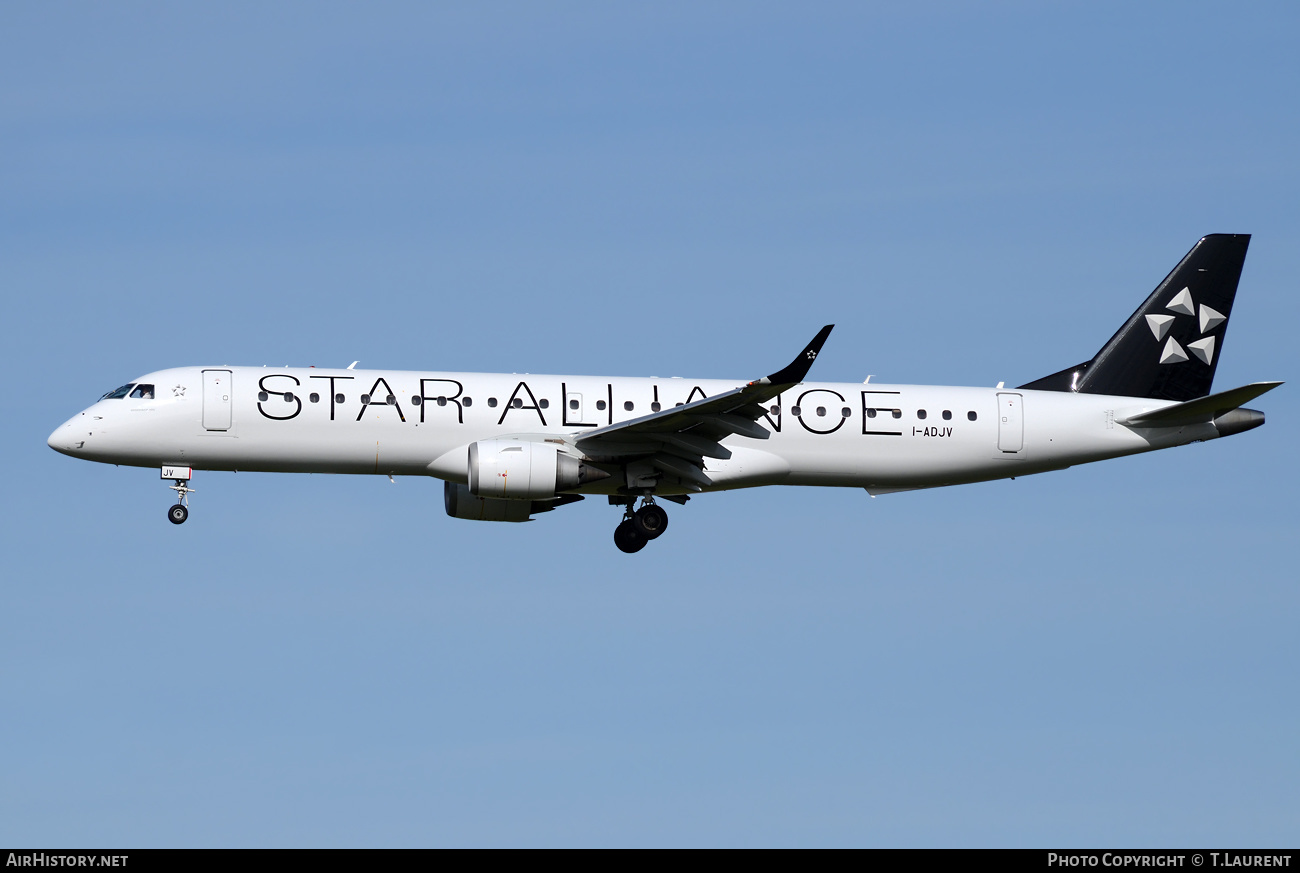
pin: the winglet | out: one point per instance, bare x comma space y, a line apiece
800, 366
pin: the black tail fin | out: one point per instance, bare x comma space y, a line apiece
1170, 348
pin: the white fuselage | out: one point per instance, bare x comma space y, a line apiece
879, 437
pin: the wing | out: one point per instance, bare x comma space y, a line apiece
675, 442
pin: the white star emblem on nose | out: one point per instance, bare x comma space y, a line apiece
178, 391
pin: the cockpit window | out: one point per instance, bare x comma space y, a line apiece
142, 392
119, 393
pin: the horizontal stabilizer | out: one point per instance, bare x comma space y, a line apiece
1200, 410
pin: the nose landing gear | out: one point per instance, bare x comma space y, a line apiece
177, 513
639, 527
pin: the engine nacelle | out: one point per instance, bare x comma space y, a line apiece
523, 470
462, 504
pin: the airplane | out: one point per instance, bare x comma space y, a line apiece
509, 447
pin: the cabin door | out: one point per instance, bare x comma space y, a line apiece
1011, 424
216, 399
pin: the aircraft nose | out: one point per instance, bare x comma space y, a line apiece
58, 438
63, 439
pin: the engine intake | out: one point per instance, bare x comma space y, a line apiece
521, 470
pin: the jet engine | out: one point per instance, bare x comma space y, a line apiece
462, 504
522, 470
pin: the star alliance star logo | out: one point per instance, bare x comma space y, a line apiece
178, 391
1203, 348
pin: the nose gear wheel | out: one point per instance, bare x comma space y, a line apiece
180, 511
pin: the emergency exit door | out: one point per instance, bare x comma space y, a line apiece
1011, 424
216, 399
575, 410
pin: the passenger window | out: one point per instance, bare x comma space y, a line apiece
339, 398
518, 403
920, 413
467, 401
655, 407
365, 399
119, 393
897, 413
314, 397
573, 404
845, 412
263, 396
600, 404
492, 401
392, 401
442, 401
544, 403
821, 411
871, 413
142, 392
774, 410
947, 415
288, 397
627, 404
416, 399
971, 415
795, 410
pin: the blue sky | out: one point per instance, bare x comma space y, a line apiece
1100, 656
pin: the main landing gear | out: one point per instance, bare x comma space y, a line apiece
639, 527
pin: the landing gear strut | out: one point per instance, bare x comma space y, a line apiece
177, 513
639, 527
